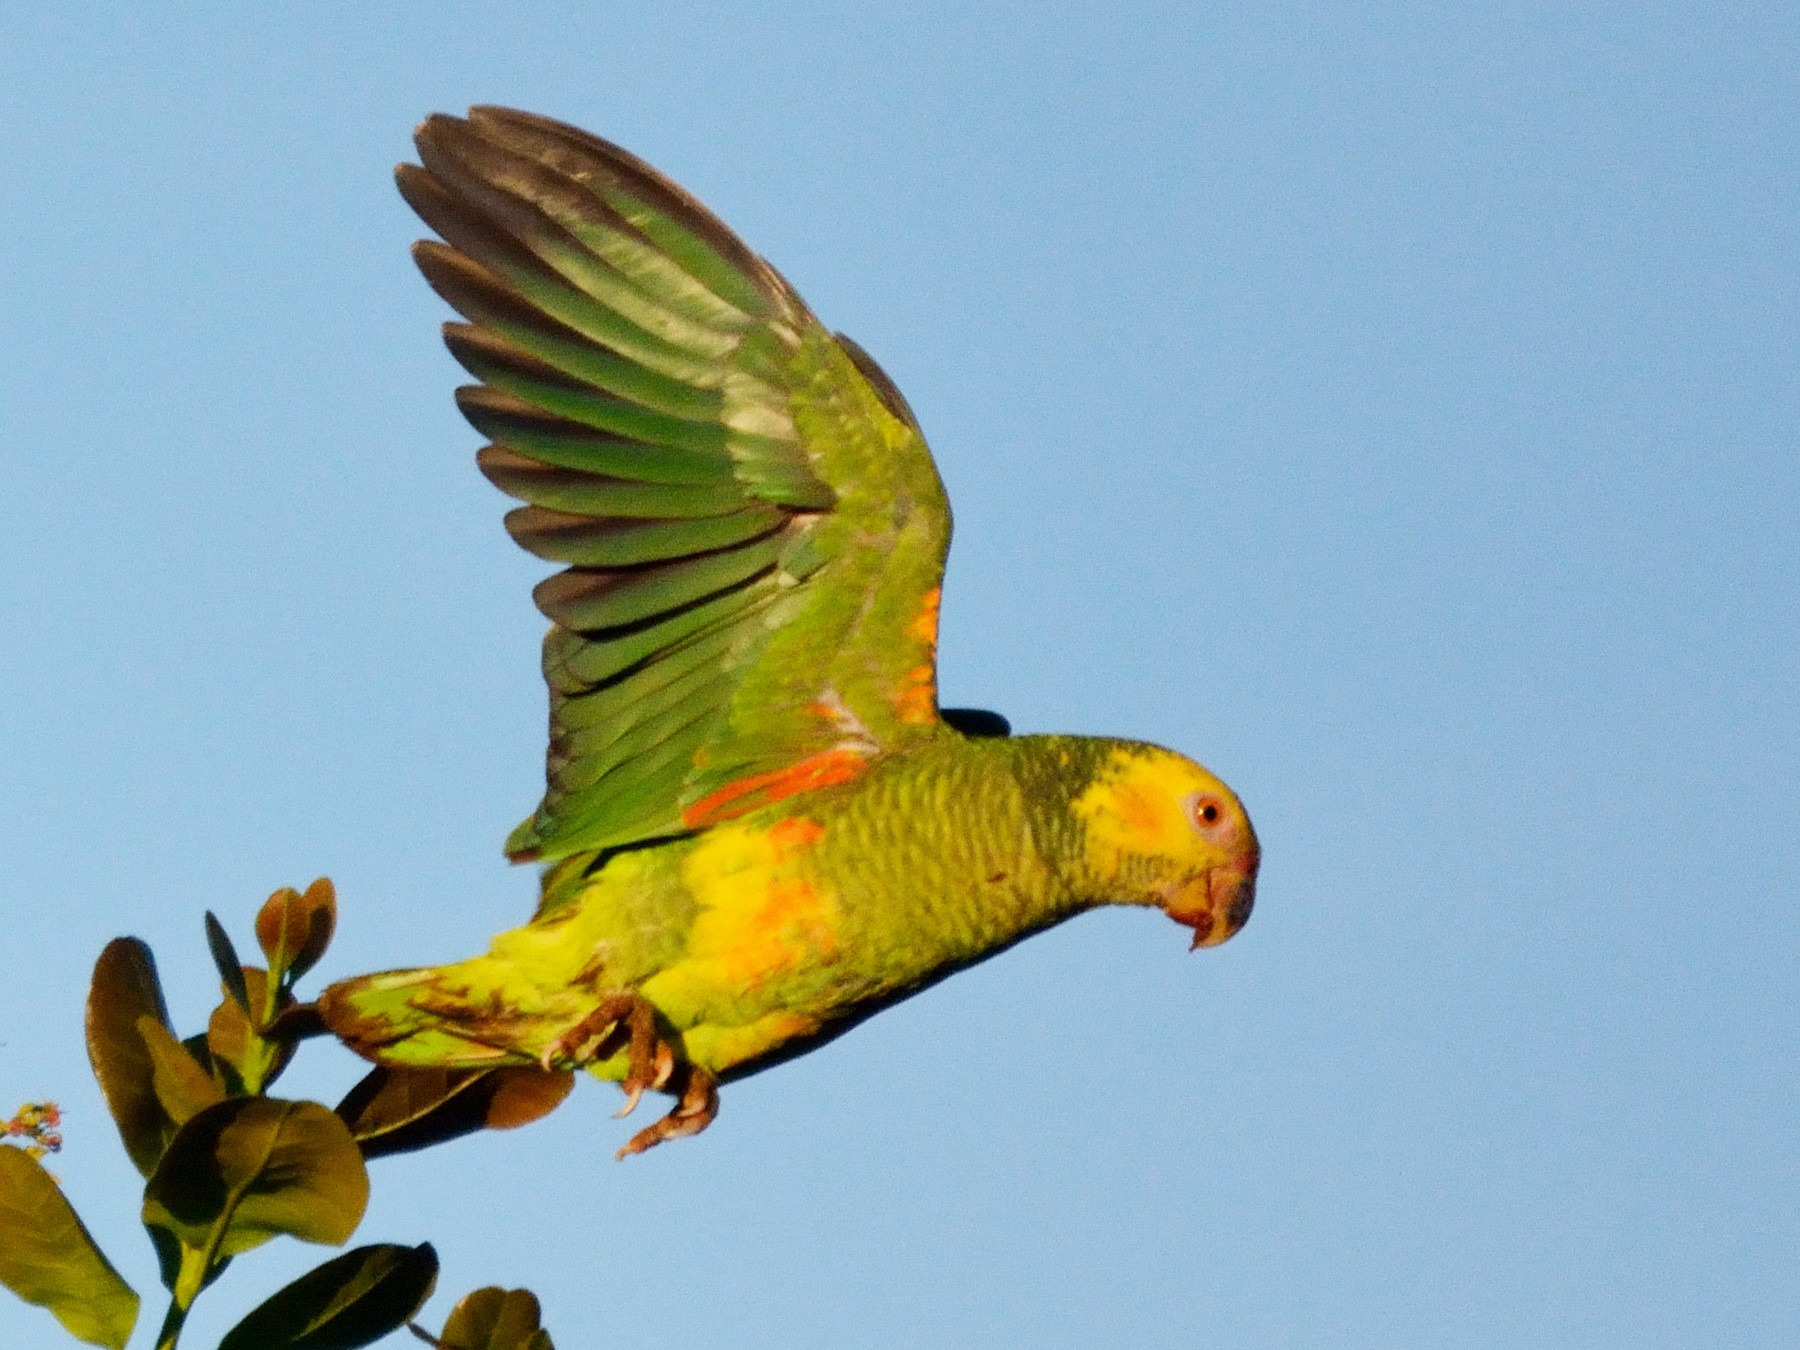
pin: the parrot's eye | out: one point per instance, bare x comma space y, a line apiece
1207, 811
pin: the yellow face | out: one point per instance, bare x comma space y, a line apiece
1161, 830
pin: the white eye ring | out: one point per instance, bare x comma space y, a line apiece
1205, 810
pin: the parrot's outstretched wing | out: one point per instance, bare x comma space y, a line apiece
753, 527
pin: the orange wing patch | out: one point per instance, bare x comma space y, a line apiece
763, 789
924, 625
916, 702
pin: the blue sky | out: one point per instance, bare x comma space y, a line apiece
1394, 407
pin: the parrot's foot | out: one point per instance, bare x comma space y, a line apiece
650, 1063
695, 1110
649, 1059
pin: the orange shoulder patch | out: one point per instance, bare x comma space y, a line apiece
916, 703
762, 789
923, 626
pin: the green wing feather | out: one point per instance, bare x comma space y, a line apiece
753, 529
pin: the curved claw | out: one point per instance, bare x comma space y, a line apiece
696, 1110
634, 1093
658, 1072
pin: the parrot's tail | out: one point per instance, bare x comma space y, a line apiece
440, 1017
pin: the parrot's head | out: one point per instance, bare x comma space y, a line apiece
1161, 830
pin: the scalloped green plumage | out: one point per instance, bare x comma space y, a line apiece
756, 827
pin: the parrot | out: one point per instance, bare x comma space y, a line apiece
759, 828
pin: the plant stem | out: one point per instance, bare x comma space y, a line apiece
171, 1327
189, 1280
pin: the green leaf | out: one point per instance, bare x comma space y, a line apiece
125, 989
244, 1170
294, 929
48, 1258
183, 1086
495, 1319
398, 1110
225, 957
352, 1300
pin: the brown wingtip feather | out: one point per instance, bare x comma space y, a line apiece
581, 156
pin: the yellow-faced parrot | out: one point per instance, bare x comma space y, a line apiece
759, 826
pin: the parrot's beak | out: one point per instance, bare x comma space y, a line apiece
1216, 903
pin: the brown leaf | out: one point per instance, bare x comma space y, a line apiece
297, 1022
393, 1110
183, 1086
518, 1095
495, 1319
294, 929
125, 989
